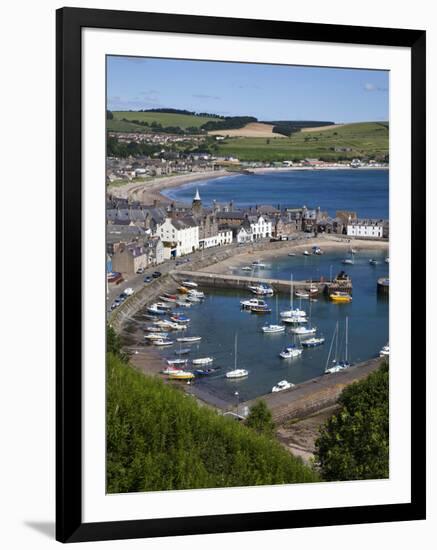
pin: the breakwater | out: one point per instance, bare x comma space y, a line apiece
214, 280
314, 395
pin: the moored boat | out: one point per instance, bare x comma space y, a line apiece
163, 342
203, 361
303, 331
189, 339
340, 297
189, 284
155, 310
205, 372
155, 336
290, 352
260, 309
312, 342
171, 370
294, 320
247, 304
271, 329
236, 373
180, 319
181, 375
282, 386
261, 289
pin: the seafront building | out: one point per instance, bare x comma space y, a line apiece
139, 235
366, 228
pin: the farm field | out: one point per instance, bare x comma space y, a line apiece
364, 139
253, 129
165, 119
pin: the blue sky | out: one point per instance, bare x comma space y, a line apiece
268, 92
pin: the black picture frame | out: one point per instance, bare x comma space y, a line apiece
69, 525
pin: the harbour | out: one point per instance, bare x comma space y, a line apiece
218, 317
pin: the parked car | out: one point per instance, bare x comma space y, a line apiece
114, 305
156, 274
147, 279
128, 291
140, 270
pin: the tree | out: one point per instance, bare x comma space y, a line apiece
109, 115
260, 419
354, 442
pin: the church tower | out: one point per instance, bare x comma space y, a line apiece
197, 203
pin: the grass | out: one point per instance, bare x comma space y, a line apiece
165, 119
364, 139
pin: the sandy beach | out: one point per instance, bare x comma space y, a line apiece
283, 248
149, 191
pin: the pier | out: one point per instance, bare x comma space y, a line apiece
314, 395
214, 280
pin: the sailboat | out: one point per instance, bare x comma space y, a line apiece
305, 331
342, 364
236, 373
273, 328
292, 312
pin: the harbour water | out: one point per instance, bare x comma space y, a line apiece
359, 190
219, 318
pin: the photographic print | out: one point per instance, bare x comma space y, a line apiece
247, 248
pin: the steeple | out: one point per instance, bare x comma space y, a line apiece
197, 203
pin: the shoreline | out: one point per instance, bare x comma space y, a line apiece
327, 244
152, 190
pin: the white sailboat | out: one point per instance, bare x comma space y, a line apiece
292, 312
236, 373
305, 331
338, 366
273, 328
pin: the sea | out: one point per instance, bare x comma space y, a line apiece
360, 190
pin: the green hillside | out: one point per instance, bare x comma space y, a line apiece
158, 438
165, 119
365, 139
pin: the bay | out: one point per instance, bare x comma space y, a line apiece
363, 191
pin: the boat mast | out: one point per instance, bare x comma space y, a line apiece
336, 342
330, 347
291, 291
235, 351
345, 352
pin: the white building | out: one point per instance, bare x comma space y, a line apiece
365, 228
225, 236
260, 227
181, 236
244, 234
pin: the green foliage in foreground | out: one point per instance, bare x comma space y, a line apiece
158, 438
260, 419
354, 443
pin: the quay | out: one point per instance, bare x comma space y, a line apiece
312, 396
214, 280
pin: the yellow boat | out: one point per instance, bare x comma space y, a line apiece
339, 296
181, 376
183, 289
